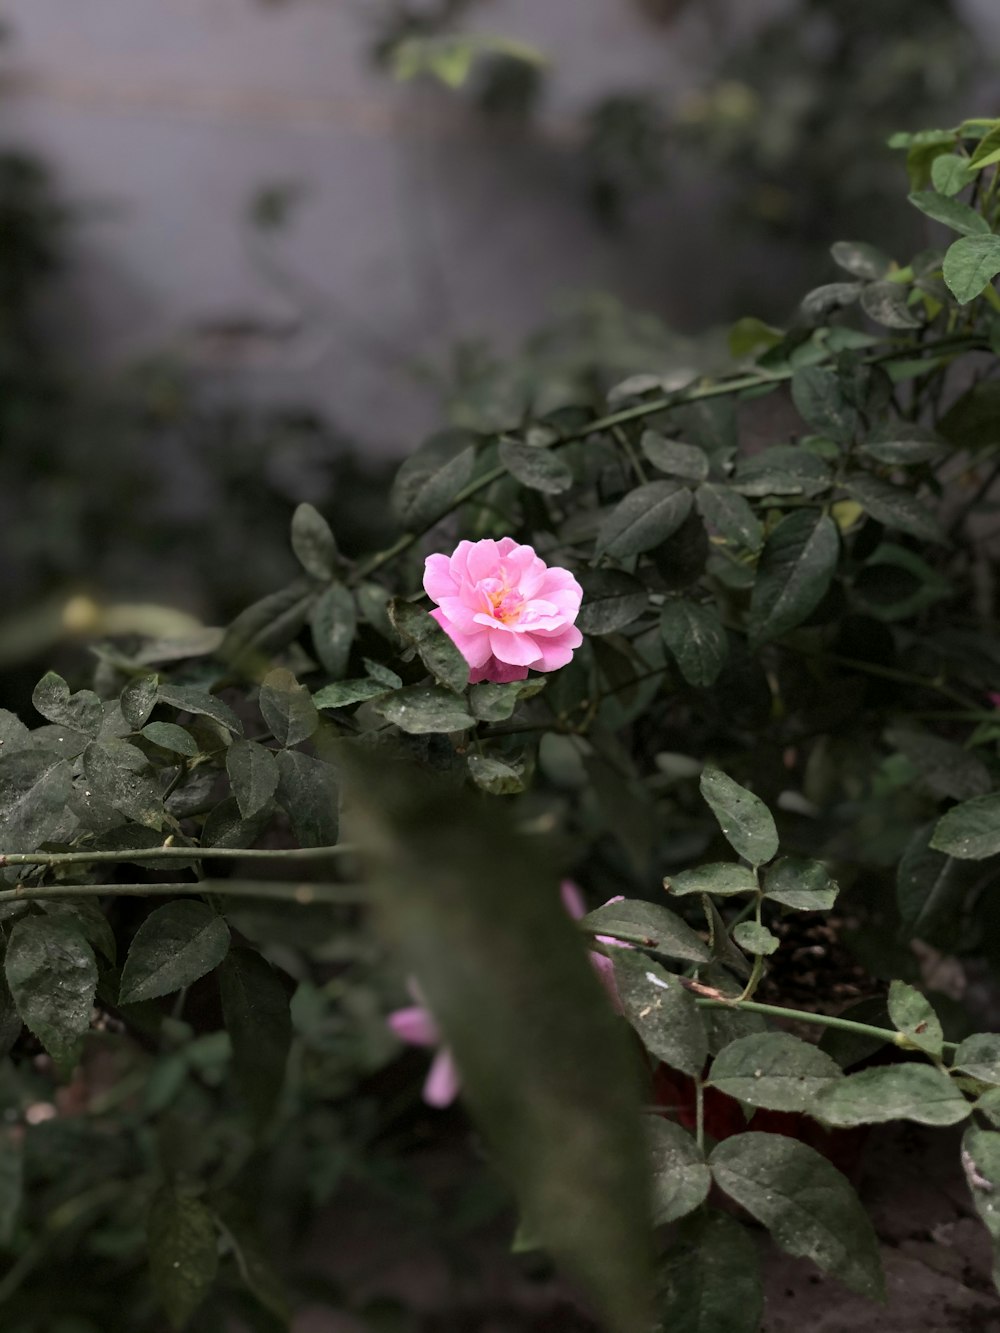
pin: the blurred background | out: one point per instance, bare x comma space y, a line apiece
252, 249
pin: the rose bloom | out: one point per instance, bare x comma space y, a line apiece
504, 608
417, 1026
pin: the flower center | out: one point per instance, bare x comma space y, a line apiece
505, 601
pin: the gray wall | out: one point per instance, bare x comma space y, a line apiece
418, 227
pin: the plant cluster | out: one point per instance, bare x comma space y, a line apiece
782, 710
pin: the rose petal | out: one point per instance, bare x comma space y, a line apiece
443, 1081
415, 1026
517, 649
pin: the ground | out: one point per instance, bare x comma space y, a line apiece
935, 1251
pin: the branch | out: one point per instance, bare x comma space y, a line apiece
738, 384
304, 895
173, 853
805, 1016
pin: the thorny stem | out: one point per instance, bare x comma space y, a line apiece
173, 853
825, 1020
699, 1110
738, 384
303, 894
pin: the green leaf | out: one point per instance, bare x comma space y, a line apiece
805, 1202
309, 793
820, 400
804, 885
10, 1020
745, 820
14, 735
970, 265
893, 1092
267, 627
538, 469
981, 1164
89, 920
696, 638
979, 1056
945, 768
34, 788
11, 1181
686, 461
755, 938
951, 212
894, 506
138, 699
646, 517
796, 568
313, 542
430, 479
438, 653
495, 776
661, 1011
720, 877
931, 889
970, 831
173, 947
119, 775
783, 469
257, 1017
987, 151
343, 693
710, 1281
775, 1070
681, 1178
52, 975
950, 174
253, 1260
681, 559
662, 929
818, 303
82, 711
169, 736
421, 709
611, 601
751, 337
904, 444
226, 827
190, 699
730, 515
183, 1253
886, 303
382, 674
989, 1105
861, 259
494, 702
287, 708
508, 981
333, 623
253, 773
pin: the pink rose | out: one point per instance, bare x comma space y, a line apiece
504, 608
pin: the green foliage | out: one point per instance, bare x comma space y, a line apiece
805, 1202
784, 694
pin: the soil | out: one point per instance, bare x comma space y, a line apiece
936, 1254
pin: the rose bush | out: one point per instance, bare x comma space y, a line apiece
719, 647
